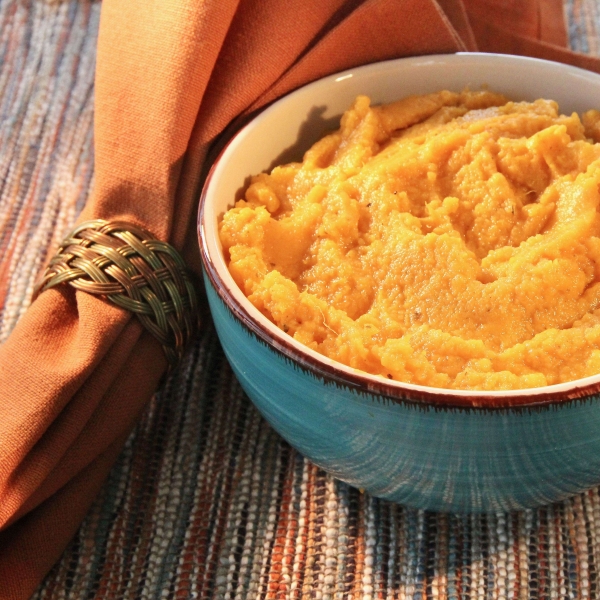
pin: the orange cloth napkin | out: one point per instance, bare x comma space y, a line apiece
171, 75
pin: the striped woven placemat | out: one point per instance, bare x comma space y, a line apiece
206, 501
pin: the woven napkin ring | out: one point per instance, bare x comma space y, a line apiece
133, 269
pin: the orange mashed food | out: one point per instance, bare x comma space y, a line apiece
448, 240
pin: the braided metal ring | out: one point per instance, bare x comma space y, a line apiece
133, 269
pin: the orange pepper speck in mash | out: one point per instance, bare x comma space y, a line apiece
448, 240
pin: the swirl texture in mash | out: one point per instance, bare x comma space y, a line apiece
448, 240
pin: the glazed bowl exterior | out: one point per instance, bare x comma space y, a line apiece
429, 448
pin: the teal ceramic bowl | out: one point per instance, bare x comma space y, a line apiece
423, 447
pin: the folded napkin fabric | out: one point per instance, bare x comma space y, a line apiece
171, 77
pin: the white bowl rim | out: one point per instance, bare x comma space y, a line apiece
396, 391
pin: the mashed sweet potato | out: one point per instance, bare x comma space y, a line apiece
448, 240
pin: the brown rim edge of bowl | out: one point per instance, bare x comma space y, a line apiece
364, 384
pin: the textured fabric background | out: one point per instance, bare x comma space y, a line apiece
206, 501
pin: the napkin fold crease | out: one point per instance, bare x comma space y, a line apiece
171, 77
